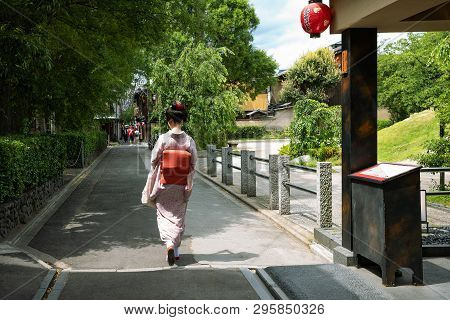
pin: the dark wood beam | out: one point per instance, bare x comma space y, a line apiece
359, 115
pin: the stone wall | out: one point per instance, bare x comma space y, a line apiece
20, 211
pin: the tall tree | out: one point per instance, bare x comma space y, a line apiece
230, 24
311, 77
413, 75
75, 57
198, 78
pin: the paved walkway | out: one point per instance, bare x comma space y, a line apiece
103, 229
105, 245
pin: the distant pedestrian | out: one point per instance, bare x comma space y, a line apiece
169, 183
131, 134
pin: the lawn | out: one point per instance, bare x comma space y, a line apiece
444, 200
405, 139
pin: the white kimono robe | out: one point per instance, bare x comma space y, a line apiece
170, 200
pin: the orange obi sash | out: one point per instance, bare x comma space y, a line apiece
175, 167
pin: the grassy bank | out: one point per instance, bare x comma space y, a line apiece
405, 139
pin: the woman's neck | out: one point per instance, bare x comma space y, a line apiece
176, 129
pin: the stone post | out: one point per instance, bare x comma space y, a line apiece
251, 177
244, 171
324, 194
224, 163
273, 182
227, 170
285, 190
210, 158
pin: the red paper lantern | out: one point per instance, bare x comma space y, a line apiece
315, 18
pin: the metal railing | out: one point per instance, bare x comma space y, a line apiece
295, 166
293, 186
279, 179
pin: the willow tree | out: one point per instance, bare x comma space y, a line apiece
199, 79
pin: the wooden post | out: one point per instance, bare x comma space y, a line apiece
359, 115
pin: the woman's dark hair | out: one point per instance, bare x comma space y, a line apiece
177, 112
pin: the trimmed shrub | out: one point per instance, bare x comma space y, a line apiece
325, 153
249, 132
94, 142
381, 124
27, 162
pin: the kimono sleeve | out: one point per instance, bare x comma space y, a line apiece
157, 152
193, 151
152, 176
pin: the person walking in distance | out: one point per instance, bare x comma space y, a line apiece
170, 181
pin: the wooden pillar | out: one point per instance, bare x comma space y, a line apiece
359, 115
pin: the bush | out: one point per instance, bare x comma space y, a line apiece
315, 125
381, 124
249, 132
277, 134
27, 162
311, 77
285, 151
325, 153
437, 154
94, 142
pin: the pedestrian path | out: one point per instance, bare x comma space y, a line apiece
102, 243
103, 232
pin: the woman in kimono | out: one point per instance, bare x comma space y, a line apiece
171, 200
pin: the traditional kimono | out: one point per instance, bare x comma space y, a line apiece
170, 200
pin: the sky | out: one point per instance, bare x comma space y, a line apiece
281, 35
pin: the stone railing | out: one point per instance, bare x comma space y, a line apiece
279, 179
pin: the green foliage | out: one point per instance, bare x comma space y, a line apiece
437, 153
277, 134
381, 124
311, 77
76, 58
197, 77
127, 115
94, 142
285, 150
315, 125
27, 162
229, 24
249, 132
324, 153
414, 75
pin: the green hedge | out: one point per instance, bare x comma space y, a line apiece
248, 132
27, 162
94, 142
381, 124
